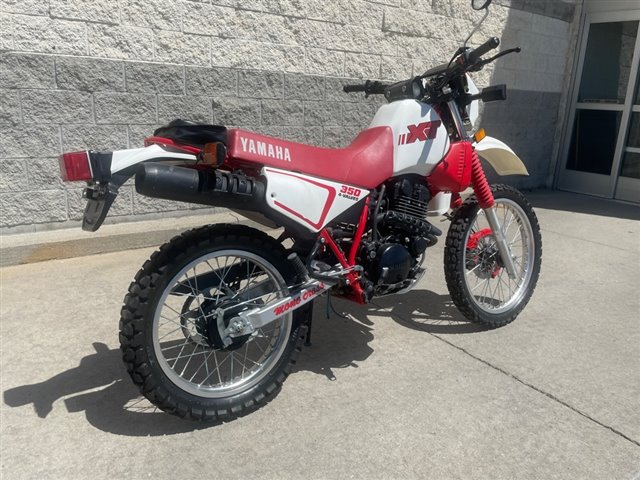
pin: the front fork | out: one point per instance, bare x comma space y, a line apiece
484, 195
501, 241
486, 201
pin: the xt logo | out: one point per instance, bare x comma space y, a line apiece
419, 133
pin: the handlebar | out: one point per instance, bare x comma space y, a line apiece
487, 46
353, 88
369, 87
464, 60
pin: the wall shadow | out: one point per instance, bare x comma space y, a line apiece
579, 203
100, 387
531, 118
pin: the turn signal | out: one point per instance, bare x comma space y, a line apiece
75, 166
480, 134
214, 154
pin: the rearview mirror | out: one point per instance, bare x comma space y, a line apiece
480, 4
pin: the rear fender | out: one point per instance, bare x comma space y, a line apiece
111, 170
503, 160
123, 159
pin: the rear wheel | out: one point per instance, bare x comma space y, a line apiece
476, 278
177, 308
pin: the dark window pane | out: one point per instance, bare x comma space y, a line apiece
634, 131
593, 141
607, 62
630, 165
637, 100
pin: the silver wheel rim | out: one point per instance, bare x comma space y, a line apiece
195, 366
488, 285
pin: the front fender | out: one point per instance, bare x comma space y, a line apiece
500, 157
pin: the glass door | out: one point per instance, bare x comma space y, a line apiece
602, 130
628, 187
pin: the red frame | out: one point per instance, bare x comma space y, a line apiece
353, 278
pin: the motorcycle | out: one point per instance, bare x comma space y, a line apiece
214, 321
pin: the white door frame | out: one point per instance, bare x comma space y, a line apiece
600, 185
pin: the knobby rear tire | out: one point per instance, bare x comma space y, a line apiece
139, 354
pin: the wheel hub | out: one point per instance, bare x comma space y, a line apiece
200, 325
210, 323
483, 256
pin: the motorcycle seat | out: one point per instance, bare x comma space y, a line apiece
366, 162
186, 132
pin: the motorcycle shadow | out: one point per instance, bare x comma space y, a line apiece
100, 387
426, 311
343, 338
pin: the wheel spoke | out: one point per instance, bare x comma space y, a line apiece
187, 356
492, 290
187, 353
217, 370
204, 363
186, 342
170, 332
173, 320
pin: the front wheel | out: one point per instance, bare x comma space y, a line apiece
178, 307
476, 277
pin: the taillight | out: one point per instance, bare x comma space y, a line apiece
75, 166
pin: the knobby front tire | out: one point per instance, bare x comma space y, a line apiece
170, 344
476, 278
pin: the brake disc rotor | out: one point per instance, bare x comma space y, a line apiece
482, 255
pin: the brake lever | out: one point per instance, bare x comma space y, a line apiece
481, 64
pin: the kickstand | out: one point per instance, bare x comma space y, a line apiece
331, 309
307, 342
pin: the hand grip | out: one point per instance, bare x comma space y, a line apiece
487, 46
353, 88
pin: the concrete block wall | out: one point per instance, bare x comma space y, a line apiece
530, 120
103, 75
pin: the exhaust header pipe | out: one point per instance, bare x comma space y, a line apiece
216, 188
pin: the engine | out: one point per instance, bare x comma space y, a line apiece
392, 258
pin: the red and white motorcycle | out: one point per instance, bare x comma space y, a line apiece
214, 320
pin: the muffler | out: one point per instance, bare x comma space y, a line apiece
205, 187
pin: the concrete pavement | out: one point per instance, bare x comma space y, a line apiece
405, 388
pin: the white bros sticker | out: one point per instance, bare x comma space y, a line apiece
265, 149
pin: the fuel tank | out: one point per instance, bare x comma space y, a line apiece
419, 135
